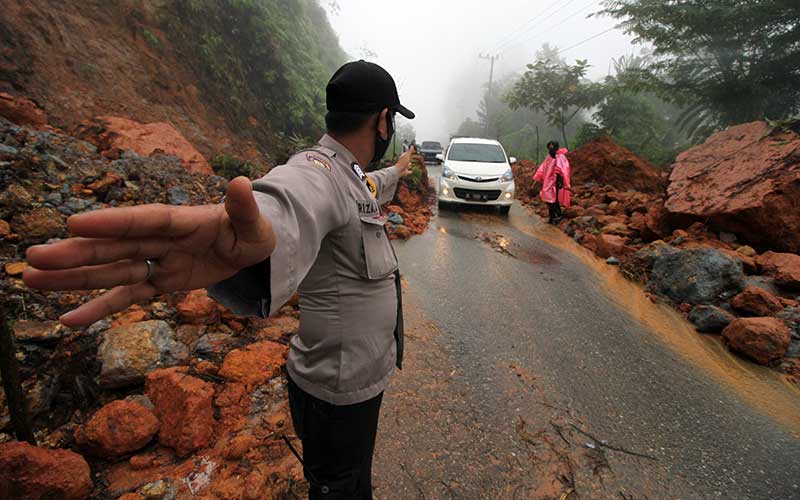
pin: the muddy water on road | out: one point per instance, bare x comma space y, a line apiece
763, 388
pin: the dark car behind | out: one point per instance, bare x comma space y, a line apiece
429, 149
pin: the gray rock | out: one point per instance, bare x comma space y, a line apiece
395, 218
8, 150
141, 399
214, 345
128, 352
727, 237
54, 198
791, 316
697, 275
794, 349
612, 261
178, 196
763, 282
647, 255
75, 206
710, 319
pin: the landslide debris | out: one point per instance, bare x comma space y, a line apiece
716, 241
744, 180
174, 398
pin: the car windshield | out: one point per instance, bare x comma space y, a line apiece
486, 153
431, 145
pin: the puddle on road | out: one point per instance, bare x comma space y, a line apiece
498, 241
761, 387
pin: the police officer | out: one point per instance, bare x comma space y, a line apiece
314, 226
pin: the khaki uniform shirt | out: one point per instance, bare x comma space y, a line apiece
333, 249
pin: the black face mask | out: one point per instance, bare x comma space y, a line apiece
381, 144
552, 152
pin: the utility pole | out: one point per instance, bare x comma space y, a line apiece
491, 59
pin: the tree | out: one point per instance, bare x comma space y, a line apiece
470, 128
638, 120
726, 61
557, 89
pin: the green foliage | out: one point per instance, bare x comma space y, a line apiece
557, 89
640, 121
152, 40
414, 179
725, 61
263, 59
231, 167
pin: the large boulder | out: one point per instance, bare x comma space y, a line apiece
604, 162
757, 302
761, 339
28, 472
128, 352
182, 404
118, 428
744, 180
697, 275
710, 319
784, 267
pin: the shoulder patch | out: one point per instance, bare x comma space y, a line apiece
319, 160
360, 173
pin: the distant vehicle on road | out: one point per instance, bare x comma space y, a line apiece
429, 149
476, 172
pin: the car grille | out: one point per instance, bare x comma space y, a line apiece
477, 178
477, 194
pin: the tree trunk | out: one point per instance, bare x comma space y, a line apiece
11, 384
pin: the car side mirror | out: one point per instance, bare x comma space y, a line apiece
512, 160
440, 157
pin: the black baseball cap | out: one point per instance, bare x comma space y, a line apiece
362, 86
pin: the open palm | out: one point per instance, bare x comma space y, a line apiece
194, 247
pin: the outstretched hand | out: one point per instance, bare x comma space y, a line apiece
193, 247
404, 162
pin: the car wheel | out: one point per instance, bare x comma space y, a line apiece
504, 209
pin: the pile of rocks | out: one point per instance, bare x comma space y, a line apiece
409, 212
624, 212
175, 398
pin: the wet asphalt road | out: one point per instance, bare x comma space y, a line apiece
541, 309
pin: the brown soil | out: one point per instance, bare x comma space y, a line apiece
604, 162
80, 59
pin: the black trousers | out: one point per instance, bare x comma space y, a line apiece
554, 209
338, 442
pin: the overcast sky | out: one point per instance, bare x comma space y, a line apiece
431, 47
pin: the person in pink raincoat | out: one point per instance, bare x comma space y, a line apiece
554, 175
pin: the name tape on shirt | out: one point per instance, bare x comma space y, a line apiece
319, 161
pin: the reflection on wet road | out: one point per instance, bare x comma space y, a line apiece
510, 334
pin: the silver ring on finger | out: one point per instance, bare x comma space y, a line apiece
151, 269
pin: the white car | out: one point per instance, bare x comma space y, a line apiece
476, 172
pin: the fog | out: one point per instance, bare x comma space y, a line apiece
432, 47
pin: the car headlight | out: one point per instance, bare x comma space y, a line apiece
447, 173
508, 176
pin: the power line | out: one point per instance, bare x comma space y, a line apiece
587, 40
538, 35
524, 27
555, 12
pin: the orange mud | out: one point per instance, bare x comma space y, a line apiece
761, 387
